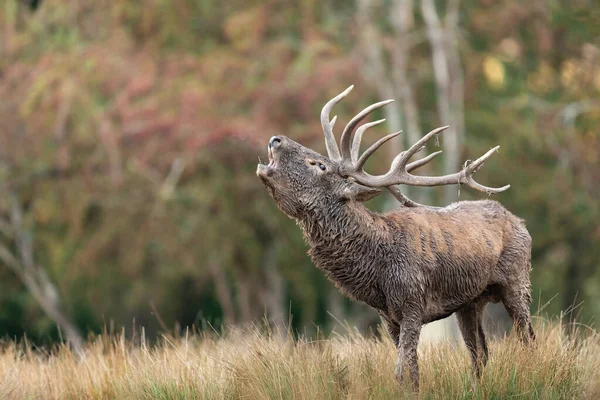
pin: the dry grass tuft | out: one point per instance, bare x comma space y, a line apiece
254, 365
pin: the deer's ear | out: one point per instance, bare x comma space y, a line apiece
360, 193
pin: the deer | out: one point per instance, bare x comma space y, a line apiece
414, 264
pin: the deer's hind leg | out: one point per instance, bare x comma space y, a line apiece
482, 342
517, 302
514, 266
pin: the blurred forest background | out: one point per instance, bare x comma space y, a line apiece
130, 132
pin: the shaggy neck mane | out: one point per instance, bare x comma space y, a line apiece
342, 239
331, 224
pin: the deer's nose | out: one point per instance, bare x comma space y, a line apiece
274, 142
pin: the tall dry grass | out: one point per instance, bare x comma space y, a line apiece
252, 364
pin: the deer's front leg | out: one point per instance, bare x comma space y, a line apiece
407, 351
392, 327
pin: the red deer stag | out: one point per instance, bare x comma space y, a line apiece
415, 264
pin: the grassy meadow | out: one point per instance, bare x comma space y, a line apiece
252, 364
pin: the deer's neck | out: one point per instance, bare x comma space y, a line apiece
342, 239
335, 224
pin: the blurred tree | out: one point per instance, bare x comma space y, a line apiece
34, 276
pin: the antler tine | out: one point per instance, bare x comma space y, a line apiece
420, 143
419, 163
473, 167
346, 139
332, 149
363, 158
332, 123
470, 182
358, 137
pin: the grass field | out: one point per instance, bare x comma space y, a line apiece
251, 364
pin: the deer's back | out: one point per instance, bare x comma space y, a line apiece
461, 230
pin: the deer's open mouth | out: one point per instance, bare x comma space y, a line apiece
271, 158
265, 171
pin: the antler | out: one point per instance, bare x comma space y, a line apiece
332, 149
352, 165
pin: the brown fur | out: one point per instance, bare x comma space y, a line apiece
413, 265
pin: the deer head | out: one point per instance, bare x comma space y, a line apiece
300, 179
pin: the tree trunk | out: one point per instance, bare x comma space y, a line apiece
223, 293
244, 300
35, 278
450, 142
573, 283
402, 21
395, 83
273, 294
50, 304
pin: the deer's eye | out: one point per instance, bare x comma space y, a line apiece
322, 166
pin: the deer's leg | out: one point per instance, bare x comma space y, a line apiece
407, 351
467, 322
517, 304
482, 340
392, 327
470, 321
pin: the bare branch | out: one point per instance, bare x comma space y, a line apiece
10, 261
168, 186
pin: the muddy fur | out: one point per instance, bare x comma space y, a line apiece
413, 265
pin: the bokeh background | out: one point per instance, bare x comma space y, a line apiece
130, 133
